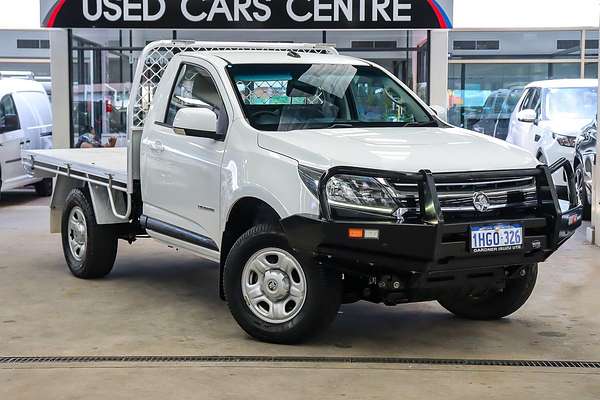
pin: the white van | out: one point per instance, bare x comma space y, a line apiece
25, 124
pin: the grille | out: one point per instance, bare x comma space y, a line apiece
457, 198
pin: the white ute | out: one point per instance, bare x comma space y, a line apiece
314, 179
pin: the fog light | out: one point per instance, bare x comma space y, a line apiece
372, 234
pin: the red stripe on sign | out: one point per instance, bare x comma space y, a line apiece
55, 12
438, 14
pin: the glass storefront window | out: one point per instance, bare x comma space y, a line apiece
103, 65
104, 61
483, 96
591, 45
591, 70
488, 70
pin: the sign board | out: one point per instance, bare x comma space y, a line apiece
248, 14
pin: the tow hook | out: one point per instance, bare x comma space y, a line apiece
518, 273
389, 289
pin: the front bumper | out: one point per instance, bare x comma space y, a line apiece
434, 247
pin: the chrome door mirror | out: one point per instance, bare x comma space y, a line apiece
528, 116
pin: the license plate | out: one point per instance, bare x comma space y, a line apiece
494, 238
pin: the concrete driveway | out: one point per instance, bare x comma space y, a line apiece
159, 301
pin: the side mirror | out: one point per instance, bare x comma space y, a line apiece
11, 123
440, 111
528, 116
197, 122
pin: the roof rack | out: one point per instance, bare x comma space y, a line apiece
156, 56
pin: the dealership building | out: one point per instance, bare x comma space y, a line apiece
488, 56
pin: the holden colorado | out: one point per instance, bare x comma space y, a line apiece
313, 179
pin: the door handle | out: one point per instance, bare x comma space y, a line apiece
157, 146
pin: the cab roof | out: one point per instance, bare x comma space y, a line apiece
564, 83
278, 57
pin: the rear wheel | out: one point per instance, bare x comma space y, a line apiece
44, 187
90, 249
494, 304
582, 194
274, 295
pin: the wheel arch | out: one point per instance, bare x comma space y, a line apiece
63, 187
245, 213
98, 197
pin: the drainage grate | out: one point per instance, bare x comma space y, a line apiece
299, 359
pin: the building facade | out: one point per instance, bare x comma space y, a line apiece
488, 70
103, 62
26, 53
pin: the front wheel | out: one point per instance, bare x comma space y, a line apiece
274, 295
494, 304
90, 249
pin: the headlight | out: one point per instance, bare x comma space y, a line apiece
566, 141
360, 193
362, 197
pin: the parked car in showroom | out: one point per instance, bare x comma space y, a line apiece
550, 116
25, 124
496, 112
313, 179
585, 159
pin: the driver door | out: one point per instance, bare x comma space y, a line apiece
521, 133
182, 174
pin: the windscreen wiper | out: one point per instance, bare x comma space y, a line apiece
427, 124
340, 125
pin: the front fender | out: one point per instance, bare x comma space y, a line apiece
253, 172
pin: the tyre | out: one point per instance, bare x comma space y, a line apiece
582, 191
90, 249
44, 187
274, 295
494, 304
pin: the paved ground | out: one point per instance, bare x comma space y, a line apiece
161, 302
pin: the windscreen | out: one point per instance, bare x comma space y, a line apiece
571, 103
284, 97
